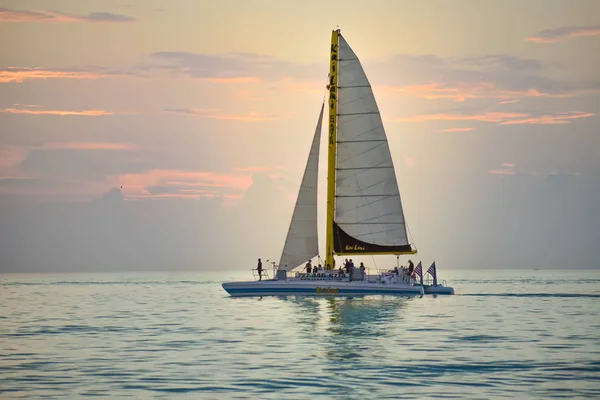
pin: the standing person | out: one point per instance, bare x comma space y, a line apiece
411, 267
259, 268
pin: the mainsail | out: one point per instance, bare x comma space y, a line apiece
302, 241
368, 209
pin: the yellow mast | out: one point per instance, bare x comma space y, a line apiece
333, 75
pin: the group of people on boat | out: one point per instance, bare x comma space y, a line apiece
348, 268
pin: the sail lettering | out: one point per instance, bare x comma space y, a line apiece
355, 247
331, 129
327, 290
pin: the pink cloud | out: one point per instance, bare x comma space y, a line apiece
508, 165
485, 117
11, 157
499, 117
8, 15
508, 102
563, 33
210, 113
264, 168
501, 172
178, 183
39, 111
480, 90
88, 146
457, 130
563, 118
21, 74
237, 79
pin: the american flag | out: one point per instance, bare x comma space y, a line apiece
431, 271
419, 269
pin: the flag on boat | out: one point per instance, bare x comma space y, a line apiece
419, 271
433, 273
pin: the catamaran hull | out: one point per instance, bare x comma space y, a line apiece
312, 288
438, 289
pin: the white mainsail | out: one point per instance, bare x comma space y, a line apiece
302, 242
368, 205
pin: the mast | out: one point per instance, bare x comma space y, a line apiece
333, 75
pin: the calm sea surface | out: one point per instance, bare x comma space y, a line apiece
512, 333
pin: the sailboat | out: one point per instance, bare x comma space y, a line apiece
364, 210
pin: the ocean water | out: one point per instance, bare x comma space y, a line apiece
505, 334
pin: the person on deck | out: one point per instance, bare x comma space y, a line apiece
309, 266
362, 267
411, 267
259, 268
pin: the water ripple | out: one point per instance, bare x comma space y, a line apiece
165, 336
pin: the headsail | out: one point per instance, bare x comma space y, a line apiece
302, 241
368, 209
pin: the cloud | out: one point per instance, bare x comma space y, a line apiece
230, 67
264, 168
36, 110
500, 117
212, 113
8, 15
457, 130
492, 76
563, 118
21, 74
563, 33
501, 172
484, 117
508, 102
87, 146
10, 157
461, 78
185, 184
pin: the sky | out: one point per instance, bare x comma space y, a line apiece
172, 135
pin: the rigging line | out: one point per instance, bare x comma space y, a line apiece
370, 223
369, 131
361, 141
376, 233
366, 195
364, 152
360, 113
365, 168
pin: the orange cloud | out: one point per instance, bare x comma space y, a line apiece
563, 118
457, 130
486, 117
37, 111
88, 146
8, 15
20, 74
214, 114
563, 33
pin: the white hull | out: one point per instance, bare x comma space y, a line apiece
297, 287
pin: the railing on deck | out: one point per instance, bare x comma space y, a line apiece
257, 276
